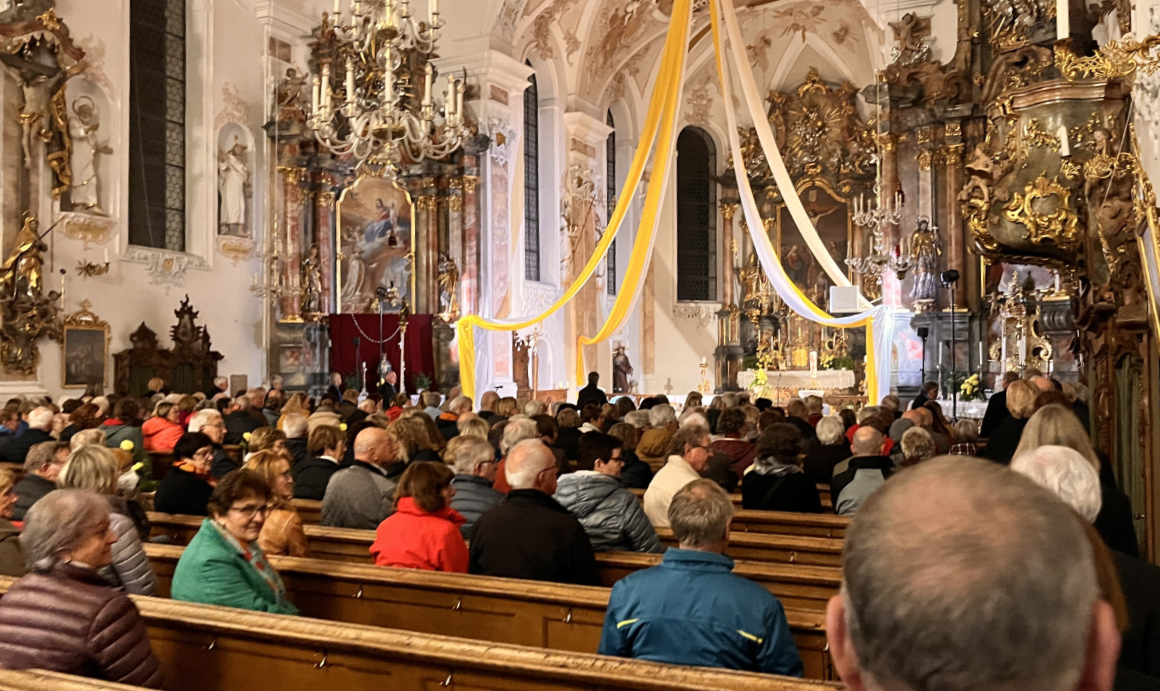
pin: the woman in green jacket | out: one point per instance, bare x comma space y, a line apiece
222, 564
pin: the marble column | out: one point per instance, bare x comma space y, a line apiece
888, 144
956, 254
469, 269
728, 209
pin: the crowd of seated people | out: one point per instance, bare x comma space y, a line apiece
530, 491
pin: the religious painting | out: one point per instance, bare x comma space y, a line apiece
830, 215
85, 350
375, 237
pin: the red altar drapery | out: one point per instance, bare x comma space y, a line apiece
347, 359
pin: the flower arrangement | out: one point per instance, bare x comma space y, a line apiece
127, 445
971, 389
342, 426
836, 362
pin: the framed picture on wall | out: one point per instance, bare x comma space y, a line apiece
85, 350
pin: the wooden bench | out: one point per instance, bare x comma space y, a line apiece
545, 615
40, 680
342, 544
823, 494
778, 522
204, 648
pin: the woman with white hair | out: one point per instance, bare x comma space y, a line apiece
833, 449
63, 616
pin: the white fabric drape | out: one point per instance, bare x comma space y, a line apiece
879, 321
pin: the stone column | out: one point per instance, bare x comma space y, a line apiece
956, 254
469, 270
888, 144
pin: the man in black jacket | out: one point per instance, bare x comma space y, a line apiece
239, 422
41, 469
997, 407
868, 466
39, 426
591, 393
530, 535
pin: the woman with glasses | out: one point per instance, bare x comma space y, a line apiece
187, 487
223, 564
282, 533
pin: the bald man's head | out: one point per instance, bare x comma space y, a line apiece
375, 446
526, 465
914, 416
961, 575
1043, 383
867, 442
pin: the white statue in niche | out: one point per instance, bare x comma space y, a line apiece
83, 128
233, 177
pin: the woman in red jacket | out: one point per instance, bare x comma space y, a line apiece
423, 533
162, 431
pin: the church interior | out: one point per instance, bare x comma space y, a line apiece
720, 203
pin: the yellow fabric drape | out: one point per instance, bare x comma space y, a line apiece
663, 106
638, 262
786, 289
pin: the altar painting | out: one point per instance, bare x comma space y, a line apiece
830, 215
375, 237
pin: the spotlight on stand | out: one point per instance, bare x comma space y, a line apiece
950, 278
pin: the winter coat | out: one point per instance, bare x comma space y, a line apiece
11, 556
781, 488
130, 568
412, 538
297, 449
215, 571
473, 498
665, 484
115, 434
360, 496
653, 447
1004, 440
857, 478
690, 610
612, 517
182, 492
238, 424
531, 536
282, 534
16, 450
1140, 582
72, 621
636, 474
29, 491
819, 464
223, 463
161, 434
740, 452
311, 477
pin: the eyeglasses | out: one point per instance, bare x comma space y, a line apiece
250, 511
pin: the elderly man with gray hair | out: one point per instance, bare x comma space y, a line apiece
530, 535
474, 462
855, 478
960, 575
1070, 476
39, 431
295, 427
689, 456
661, 614
42, 468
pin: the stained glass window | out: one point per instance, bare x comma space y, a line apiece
157, 124
696, 216
532, 180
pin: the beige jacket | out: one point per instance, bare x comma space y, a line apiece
669, 480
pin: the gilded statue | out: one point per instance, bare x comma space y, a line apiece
28, 314
22, 275
448, 288
924, 254
311, 275
751, 279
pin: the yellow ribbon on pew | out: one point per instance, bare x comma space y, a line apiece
663, 106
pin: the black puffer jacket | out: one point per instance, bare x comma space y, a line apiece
611, 516
72, 621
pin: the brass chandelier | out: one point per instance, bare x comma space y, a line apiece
367, 101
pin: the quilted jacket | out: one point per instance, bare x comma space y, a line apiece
72, 621
130, 568
612, 517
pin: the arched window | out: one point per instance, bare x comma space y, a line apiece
696, 217
157, 124
610, 163
532, 180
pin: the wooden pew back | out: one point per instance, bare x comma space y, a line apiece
204, 648
40, 680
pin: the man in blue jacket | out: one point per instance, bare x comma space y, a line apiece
690, 609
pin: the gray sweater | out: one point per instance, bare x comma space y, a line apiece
360, 496
612, 517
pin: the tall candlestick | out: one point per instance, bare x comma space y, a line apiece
980, 355
1062, 19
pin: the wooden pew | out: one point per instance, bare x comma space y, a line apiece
545, 615
823, 494
40, 680
342, 544
161, 461
778, 522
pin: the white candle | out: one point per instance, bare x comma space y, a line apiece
427, 84
1062, 19
459, 100
337, 7
980, 354
350, 82
940, 356
813, 363
106, 255
326, 86
1064, 142
317, 93
449, 99
434, 12
704, 361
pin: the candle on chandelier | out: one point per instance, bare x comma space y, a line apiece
1062, 19
106, 255
337, 7
315, 93
350, 82
427, 84
459, 100
1064, 142
434, 12
449, 99
326, 86
704, 361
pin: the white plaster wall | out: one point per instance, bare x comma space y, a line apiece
225, 43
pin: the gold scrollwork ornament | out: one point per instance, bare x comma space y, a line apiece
1043, 209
